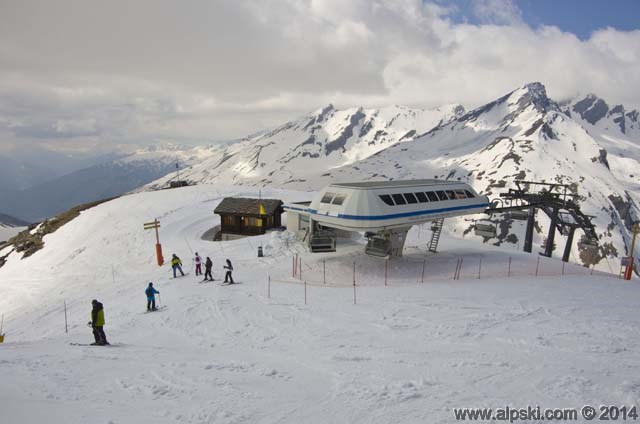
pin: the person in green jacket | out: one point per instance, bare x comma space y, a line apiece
176, 264
97, 323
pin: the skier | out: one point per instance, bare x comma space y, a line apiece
151, 297
207, 269
176, 264
198, 264
229, 269
97, 322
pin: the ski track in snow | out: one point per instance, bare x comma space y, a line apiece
409, 352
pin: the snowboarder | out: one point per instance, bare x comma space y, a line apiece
97, 322
176, 264
207, 269
198, 261
227, 277
151, 297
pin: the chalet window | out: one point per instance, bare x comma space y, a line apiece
410, 198
327, 198
432, 196
451, 194
339, 199
399, 199
442, 195
228, 220
387, 199
469, 194
422, 198
251, 222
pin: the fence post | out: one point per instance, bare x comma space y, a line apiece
305, 292
354, 272
300, 269
455, 273
386, 268
479, 268
293, 267
537, 265
460, 267
324, 271
563, 268
509, 271
424, 262
66, 327
269, 288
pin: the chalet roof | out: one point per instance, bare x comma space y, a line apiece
246, 206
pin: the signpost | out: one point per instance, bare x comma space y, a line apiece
154, 225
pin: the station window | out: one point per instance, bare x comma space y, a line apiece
460, 194
469, 194
339, 199
327, 197
451, 194
442, 195
387, 199
432, 196
410, 198
422, 198
399, 199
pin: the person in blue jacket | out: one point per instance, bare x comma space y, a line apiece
151, 297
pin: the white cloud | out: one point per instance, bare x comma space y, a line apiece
91, 73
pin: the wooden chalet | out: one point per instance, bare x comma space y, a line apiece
243, 217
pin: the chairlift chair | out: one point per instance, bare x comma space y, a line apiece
520, 215
485, 228
378, 245
323, 241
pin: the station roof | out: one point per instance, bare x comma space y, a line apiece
394, 183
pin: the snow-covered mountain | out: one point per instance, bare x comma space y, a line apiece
320, 141
524, 134
10, 226
108, 179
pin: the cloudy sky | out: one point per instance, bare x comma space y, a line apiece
92, 75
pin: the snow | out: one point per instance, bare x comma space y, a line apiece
406, 352
7, 231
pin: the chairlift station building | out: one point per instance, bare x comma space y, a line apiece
383, 210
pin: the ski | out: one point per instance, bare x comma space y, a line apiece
93, 344
158, 309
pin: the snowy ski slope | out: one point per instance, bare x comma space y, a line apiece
407, 352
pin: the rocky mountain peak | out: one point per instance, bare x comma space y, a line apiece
534, 94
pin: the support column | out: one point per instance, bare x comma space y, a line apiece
548, 250
398, 237
567, 247
528, 236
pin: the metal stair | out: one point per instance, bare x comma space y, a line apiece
436, 227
